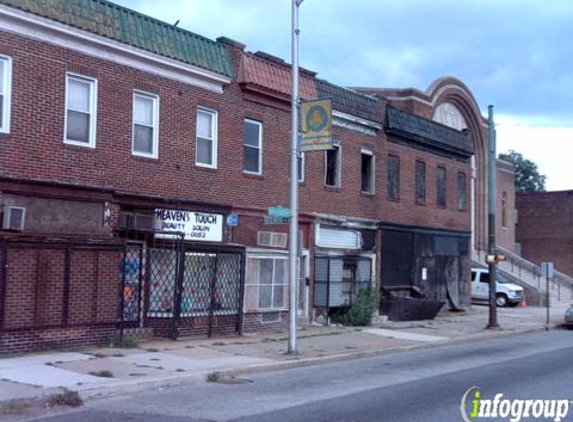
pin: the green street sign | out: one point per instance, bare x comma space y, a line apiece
279, 211
276, 220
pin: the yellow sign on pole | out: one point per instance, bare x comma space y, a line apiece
316, 116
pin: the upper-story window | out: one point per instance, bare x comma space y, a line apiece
332, 159
145, 125
367, 170
420, 183
393, 180
504, 209
462, 191
81, 103
441, 187
253, 148
5, 92
206, 143
300, 166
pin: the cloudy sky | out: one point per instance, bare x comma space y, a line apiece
516, 55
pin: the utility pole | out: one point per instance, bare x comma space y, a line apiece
294, 151
492, 249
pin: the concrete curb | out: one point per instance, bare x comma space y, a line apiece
304, 362
139, 385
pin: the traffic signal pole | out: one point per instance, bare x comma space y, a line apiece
492, 249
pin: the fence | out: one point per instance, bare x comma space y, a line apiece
175, 289
57, 293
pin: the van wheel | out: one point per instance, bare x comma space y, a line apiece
501, 300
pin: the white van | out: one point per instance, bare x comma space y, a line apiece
507, 292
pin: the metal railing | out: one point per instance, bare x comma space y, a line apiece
530, 274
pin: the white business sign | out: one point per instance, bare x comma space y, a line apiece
199, 226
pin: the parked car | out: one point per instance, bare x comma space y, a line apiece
569, 317
507, 293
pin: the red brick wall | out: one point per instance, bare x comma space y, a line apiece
545, 228
35, 297
35, 147
252, 323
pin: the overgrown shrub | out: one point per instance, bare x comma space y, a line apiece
364, 305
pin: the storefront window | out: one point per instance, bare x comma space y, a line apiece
266, 284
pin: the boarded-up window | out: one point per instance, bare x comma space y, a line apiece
462, 191
504, 209
420, 183
332, 167
393, 177
441, 187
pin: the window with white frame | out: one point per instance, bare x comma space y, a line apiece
206, 141
81, 101
332, 163
5, 92
367, 170
145, 124
266, 283
253, 158
300, 167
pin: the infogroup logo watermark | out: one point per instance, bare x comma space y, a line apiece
475, 407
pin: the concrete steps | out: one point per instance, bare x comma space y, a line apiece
528, 275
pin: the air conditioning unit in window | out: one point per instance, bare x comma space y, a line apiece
135, 221
272, 239
126, 220
14, 218
143, 222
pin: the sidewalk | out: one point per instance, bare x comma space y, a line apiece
161, 363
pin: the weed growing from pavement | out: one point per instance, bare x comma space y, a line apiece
66, 398
102, 374
125, 343
213, 377
14, 407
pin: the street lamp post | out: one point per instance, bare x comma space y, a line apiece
491, 186
294, 151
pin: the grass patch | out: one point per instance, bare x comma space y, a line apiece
14, 407
152, 350
213, 377
218, 343
102, 374
66, 398
125, 343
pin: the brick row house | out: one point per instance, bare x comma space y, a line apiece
138, 161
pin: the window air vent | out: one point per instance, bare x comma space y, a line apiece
272, 239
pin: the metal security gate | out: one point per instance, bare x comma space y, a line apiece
337, 280
179, 289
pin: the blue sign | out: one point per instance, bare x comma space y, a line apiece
232, 220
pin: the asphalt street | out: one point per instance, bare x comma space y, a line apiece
419, 385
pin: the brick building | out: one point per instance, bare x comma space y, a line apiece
506, 208
545, 228
137, 170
